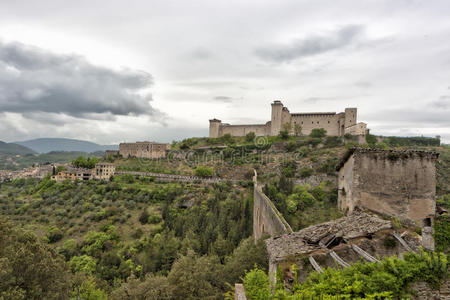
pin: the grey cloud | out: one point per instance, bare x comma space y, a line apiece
443, 102
311, 45
34, 80
201, 53
363, 84
223, 98
413, 117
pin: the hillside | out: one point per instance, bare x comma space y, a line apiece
135, 237
45, 145
14, 149
13, 163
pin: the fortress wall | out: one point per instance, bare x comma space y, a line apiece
330, 122
242, 130
266, 218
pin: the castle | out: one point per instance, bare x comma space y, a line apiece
335, 124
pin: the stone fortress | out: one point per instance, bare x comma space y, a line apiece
336, 124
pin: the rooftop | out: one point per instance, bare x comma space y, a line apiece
357, 224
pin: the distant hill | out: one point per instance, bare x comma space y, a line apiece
45, 145
14, 149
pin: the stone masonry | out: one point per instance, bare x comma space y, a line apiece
335, 124
390, 182
144, 149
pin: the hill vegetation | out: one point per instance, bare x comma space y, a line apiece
135, 237
14, 149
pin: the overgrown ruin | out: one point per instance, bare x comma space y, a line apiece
387, 196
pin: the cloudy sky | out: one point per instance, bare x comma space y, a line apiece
111, 71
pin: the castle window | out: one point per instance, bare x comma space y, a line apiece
317, 122
302, 122
312, 122
328, 122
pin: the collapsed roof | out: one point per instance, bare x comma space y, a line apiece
357, 224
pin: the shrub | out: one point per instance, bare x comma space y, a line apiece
54, 235
203, 171
371, 139
284, 134
333, 141
144, 216
154, 219
348, 136
305, 172
83, 263
257, 285
291, 146
249, 137
318, 133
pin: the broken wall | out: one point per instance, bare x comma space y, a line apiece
396, 183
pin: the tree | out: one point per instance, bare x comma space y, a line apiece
297, 130
152, 287
318, 133
82, 162
28, 268
249, 137
284, 134
257, 285
196, 277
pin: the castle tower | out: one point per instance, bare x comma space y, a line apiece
214, 126
276, 120
350, 116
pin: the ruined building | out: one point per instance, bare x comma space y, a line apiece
102, 171
375, 188
336, 124
144, 149
394, 183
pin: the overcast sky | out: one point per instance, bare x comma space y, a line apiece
111, 71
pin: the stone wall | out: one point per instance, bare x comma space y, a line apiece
425, 292
266, 217
331, 122
242, 130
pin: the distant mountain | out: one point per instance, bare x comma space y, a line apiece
14, 149
45, 145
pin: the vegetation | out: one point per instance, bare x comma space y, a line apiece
203, 171
137, 238
86, 163
303, 205
134, 231
388, 279
318, 133
396, 141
